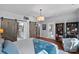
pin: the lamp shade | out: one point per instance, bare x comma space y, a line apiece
1, 30
40, 18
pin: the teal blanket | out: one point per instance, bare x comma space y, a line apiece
40, 45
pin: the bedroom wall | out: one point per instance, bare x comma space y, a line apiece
60, 18
77, 14
25, 33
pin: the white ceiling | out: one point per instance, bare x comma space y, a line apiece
33, 9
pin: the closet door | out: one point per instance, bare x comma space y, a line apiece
10, 27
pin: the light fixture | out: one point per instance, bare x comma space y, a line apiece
1, 30
40, 17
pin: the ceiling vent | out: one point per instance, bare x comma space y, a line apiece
26, 18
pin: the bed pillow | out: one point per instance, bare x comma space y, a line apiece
1, 45
10, 48
43, 52
68, 44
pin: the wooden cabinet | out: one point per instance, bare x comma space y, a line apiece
59, 31
72, 29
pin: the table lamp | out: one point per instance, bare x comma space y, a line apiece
1, 31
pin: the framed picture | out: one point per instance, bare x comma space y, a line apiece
43, 26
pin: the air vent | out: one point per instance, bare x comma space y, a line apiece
26, 18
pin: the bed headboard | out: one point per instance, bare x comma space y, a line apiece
10, 27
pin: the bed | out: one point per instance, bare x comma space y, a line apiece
45, 47
27, 46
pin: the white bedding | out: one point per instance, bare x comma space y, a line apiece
25, 46
62, 52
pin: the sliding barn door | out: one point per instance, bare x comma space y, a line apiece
34, 29
10, 27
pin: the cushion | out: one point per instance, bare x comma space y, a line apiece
67, 44
1, 52
70, 44
1, 45
43, 52
10, 48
